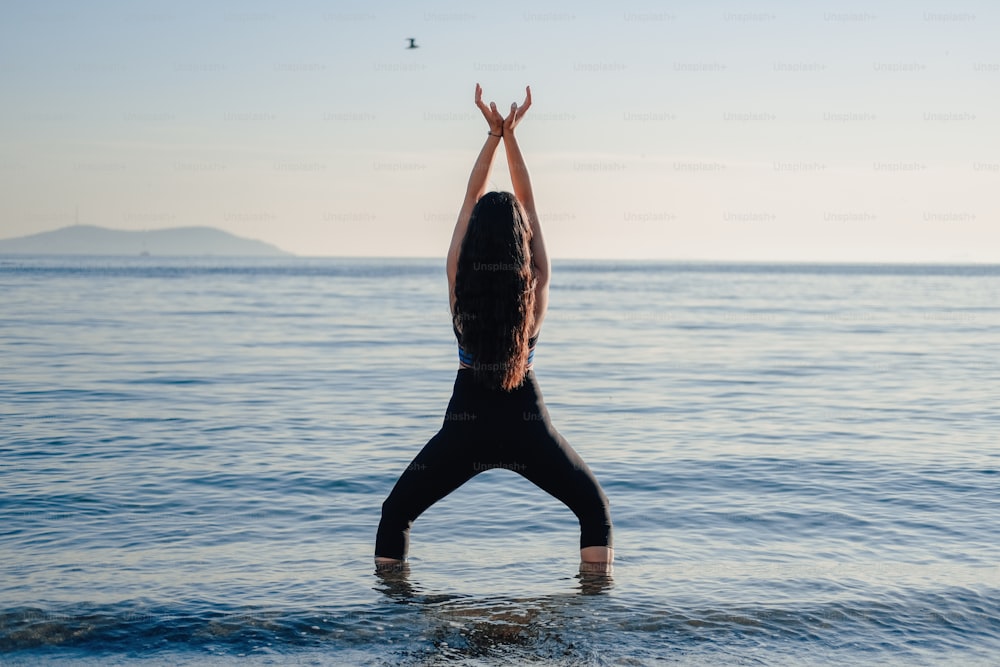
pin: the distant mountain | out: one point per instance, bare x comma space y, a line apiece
176, 241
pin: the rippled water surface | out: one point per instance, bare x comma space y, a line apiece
802, 463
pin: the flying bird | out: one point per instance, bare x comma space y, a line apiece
413, 43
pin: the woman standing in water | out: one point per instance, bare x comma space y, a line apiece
498, 282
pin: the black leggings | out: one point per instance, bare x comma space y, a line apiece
484, 429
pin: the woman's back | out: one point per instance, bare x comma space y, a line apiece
494, 292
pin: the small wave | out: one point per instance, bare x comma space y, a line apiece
575, 628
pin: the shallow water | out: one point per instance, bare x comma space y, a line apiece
801, 461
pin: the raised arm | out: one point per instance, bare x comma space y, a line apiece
521, 181
477, 186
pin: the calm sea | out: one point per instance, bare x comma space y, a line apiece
802, 463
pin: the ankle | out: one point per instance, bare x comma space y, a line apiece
383, 564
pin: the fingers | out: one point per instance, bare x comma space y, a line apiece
516, 112
487, 111
480, 104
479, 99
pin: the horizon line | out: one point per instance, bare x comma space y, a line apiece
649, 260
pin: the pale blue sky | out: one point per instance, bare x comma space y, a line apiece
719, 130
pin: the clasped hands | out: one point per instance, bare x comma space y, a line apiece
500, 126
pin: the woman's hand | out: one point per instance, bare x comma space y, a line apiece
517, 113
491, 114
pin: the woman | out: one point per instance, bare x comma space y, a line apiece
498, 280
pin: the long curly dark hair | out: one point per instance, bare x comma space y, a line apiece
495, 291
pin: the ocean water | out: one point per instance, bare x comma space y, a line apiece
802, 463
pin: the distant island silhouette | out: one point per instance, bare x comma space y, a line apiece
175, 241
